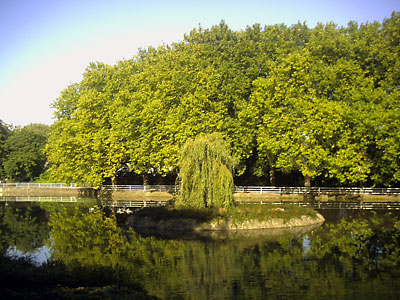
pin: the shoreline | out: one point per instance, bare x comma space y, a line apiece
189, 224
165, 196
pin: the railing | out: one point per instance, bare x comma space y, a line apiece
37, 199
38, 184
317, 190
142, 188
267, 189
237, 189
351, 205
134, 204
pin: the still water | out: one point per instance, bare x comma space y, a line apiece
354, 255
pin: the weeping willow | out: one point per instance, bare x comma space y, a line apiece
205, 175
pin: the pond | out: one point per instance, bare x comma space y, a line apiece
354, 255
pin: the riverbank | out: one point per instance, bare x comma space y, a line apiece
167, 193
46, 191
241, 217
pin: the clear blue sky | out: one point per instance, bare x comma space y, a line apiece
47, 44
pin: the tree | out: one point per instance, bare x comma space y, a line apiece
322, 102
82, 145
205, 174
4, 134
24, 159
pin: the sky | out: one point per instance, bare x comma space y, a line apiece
45, 45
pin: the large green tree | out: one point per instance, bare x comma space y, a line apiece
322, 102
4, 134
24, 158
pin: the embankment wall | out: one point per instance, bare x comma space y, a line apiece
46, 191
167, 196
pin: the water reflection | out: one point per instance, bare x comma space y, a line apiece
39, 256
353, 257
25, 229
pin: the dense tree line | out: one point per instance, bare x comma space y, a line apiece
21, 151
320, 102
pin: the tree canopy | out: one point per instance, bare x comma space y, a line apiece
322, 102
24, 159
206, 173
4, 134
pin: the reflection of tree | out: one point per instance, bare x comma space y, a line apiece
89, 239
340, 262
349, 257
371, 245
26, 228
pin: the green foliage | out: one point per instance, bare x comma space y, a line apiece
205, 174
4, 134
322, 102
24, 158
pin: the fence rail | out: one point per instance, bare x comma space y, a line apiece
317, 190
133, 204
237, 189
352, 205
38, 184
142, 188
37, 199
268, 189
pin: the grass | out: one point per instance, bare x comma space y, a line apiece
236, 214
265, 212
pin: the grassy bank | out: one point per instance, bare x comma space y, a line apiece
242, 216
238, 213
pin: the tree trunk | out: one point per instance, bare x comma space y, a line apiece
307, 181
272, 173
145, 177
113, 181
